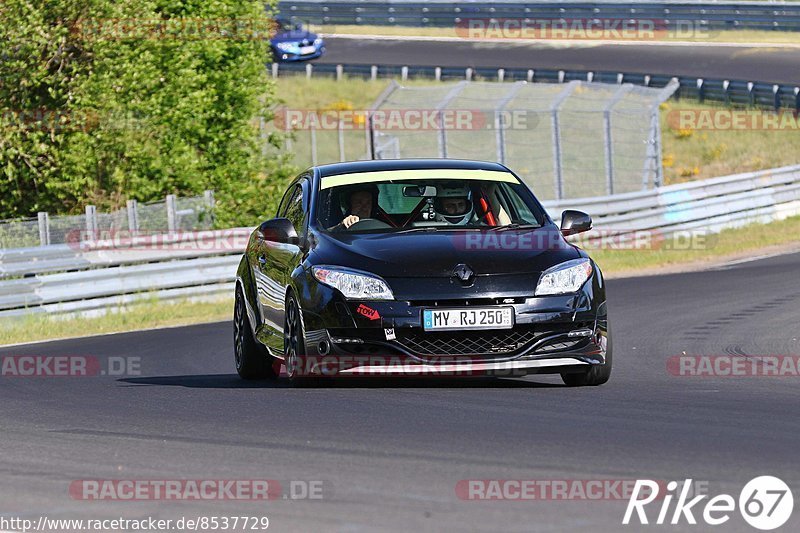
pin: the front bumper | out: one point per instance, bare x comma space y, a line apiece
287, 57
552, 334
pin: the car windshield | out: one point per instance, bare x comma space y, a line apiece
430, 204
283, 25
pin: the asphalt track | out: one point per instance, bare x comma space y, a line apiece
391, 453
765, 64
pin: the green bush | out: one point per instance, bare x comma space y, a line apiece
104, 101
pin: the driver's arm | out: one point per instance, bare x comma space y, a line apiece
346, 223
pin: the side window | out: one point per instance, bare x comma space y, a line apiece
284, 202
294, 210
522, 211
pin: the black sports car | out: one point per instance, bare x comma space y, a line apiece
418, 267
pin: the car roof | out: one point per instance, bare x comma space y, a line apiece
378, 165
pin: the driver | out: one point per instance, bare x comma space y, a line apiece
361, 203
453, 204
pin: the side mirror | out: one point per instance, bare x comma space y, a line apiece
278, 230
573, 222
298, 26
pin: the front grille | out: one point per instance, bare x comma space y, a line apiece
468, 343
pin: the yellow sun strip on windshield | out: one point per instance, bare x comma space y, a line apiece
417, 174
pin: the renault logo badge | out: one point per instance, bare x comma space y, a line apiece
463, 273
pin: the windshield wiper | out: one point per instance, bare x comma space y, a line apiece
515, 226
434, 228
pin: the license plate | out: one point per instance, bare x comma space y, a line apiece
474, 318
307, 50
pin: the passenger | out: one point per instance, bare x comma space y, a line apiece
453, 205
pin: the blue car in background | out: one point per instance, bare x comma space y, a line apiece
292, 42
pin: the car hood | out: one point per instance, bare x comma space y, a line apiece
436, 254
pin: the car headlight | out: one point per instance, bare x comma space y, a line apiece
564, 278
285, 47
317, 41
352, 284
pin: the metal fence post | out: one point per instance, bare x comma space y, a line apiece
655, 156
608, 141
339, 72
309, 70
172, 213
776, 91
701, 90
797, 99
373, 72
341, 139
440, 107
211, 203
133, 216
91, 221
313, 131
659, 179
370, 125
370, 136
500, 120
275, 70
44, 228
558, 163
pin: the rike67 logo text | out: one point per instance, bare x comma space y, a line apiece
765, 503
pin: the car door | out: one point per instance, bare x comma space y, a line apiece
275, 262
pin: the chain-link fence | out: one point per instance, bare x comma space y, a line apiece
570, 140
172, 214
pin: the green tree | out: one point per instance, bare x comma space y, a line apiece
104, 101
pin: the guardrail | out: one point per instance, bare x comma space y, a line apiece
761, 94
94, 275
102, 274
711, 15
712, 204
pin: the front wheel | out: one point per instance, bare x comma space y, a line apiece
294, 348
253, 361
597, 375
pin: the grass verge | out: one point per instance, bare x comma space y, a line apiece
702, 249
149, 314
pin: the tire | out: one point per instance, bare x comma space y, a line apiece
597, 375
294, 345
252, 359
